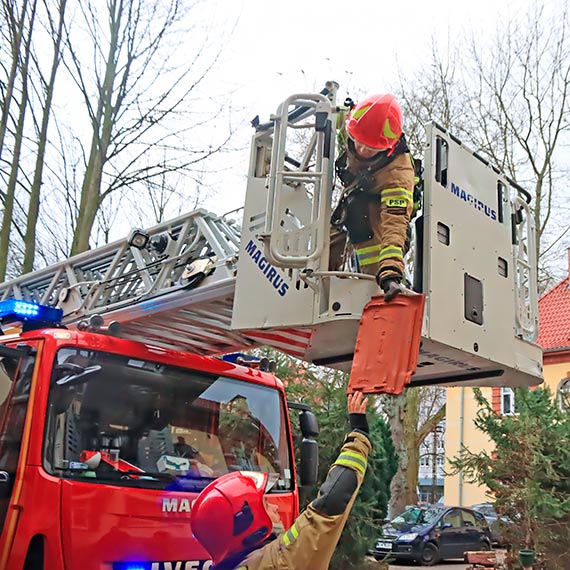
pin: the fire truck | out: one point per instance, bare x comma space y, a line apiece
105, 442
117, 406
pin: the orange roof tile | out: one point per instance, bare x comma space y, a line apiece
554, 317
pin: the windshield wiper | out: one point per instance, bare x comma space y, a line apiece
155, 474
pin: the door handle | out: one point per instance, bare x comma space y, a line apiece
4, 477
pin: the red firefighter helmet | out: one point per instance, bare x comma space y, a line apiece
229, 515
376, 122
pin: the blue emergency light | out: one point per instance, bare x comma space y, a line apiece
239, 357
264, 364
16, 310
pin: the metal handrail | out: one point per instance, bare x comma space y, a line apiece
525, 282
314, 233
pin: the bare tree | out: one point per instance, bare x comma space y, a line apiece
434, 93
14, 17
18, 135
508, 99
412, 416
135, 101
63, 173
167, 196
524, 113
56, 34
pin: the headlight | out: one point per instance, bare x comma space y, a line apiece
409, 537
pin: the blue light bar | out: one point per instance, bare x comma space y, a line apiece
16, 310
233, 357
136, 565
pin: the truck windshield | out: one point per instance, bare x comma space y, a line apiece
119, 420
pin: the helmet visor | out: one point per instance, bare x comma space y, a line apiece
263, 481
364, 148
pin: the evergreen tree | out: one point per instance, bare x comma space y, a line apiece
324, 391
528, 472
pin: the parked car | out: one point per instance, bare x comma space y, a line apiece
430, 534
496, 523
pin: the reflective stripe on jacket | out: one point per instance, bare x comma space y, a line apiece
389, 216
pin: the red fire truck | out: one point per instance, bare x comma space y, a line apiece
105, 442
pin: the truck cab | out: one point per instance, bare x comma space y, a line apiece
105, 442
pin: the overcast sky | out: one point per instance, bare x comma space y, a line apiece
278, 48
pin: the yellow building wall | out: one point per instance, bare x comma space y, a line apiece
459, 428
554, 374
461, 410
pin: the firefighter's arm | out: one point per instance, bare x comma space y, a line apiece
397, 192
312, 539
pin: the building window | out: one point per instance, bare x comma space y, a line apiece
564, 395
440, 460
507, 401
424, 495
424, 460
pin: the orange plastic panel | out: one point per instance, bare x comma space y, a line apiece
388, 345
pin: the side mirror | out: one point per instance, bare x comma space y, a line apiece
74, 373
309, 424
309, 465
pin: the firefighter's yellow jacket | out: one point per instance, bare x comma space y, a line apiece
389, 215
310, 542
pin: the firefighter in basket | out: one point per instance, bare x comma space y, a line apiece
377, 203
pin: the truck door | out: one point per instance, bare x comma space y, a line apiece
16, 374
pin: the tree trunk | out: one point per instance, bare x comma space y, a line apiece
15, 166
103, 124
17, 32
412, 472
90, 201
34, 205
404, 413
404, 483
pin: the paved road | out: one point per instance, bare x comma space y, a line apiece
446, 566
451, 565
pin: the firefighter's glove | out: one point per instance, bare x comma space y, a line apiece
391, 286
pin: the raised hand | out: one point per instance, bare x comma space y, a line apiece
356, 405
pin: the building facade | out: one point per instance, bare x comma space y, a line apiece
431, 469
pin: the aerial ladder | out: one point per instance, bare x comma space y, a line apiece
211, 284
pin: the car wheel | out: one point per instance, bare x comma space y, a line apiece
429, 555
485, 546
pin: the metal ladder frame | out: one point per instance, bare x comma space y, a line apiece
301, 246
119, 274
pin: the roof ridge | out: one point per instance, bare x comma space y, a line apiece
553, 288
554, 316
